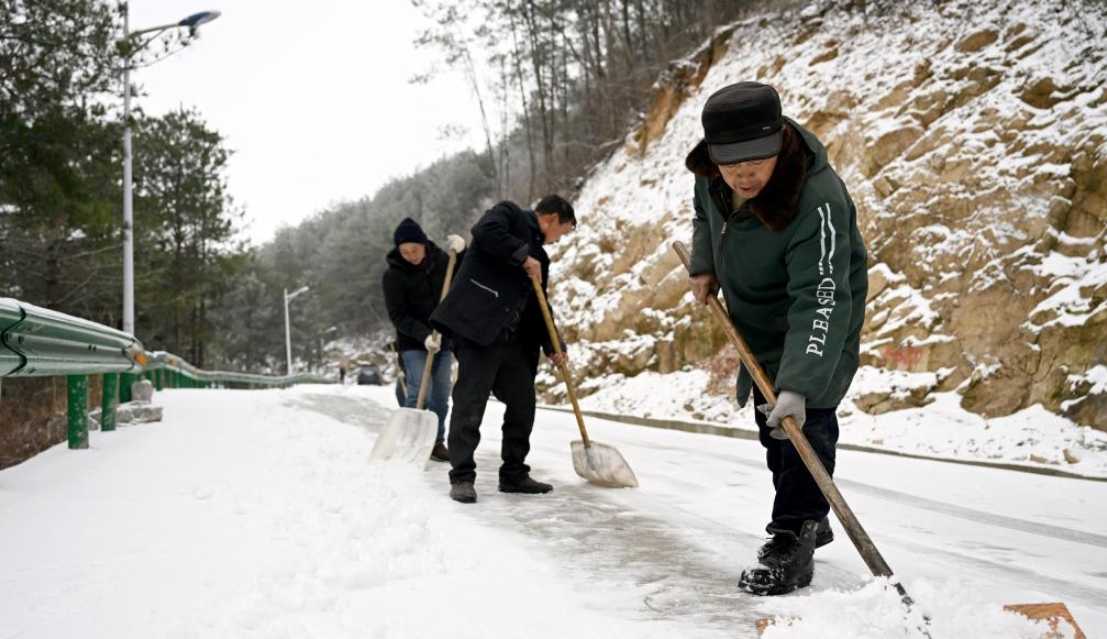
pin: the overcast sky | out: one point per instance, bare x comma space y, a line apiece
312, 97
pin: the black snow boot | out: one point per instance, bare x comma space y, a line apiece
824, 534
440, 453
524, 485
787, 562
464, 492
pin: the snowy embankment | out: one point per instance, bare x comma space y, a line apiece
255, 514
976, 156
1032, 437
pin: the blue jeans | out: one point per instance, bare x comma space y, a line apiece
438, 396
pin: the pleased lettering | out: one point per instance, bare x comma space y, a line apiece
820, 324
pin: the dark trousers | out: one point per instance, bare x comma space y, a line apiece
505, 369
798, 497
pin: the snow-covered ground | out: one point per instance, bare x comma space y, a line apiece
1033, 437
255, 514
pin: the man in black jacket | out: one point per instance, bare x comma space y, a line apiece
492, 314
412, 287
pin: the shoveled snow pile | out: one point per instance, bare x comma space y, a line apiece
876, 611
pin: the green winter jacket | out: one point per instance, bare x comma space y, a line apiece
797, 295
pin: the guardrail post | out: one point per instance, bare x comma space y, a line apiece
125, 381
78, 411
158, 379
108, 402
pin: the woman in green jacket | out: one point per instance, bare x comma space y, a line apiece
776, 230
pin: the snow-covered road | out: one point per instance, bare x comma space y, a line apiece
255, 514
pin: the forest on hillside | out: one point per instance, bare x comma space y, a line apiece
559, 83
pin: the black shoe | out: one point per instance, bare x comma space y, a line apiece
824, 534
464, 492
787, 562
524, 485
440, 452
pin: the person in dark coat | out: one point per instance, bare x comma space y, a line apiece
412, 287
494, 318
776, 230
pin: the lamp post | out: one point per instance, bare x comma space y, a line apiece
191, 23
288, 297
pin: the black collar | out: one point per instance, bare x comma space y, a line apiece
536, 230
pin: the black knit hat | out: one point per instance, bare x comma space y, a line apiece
409, 231
743, 122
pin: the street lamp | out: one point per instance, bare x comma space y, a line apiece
288, 297
191, 23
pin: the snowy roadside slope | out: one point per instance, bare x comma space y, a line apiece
254, 514
1032, 437
971, 135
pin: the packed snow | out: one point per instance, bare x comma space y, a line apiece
256, 514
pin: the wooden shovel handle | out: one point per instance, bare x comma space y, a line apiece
857, 534
565, 374
424, 382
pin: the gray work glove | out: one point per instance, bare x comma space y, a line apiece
787, 403
433, 343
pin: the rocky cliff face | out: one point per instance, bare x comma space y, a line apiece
973, 138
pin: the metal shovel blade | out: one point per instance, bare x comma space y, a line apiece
407, 436
1057, 615
602, 465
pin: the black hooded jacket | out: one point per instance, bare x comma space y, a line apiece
411, 293
492, 296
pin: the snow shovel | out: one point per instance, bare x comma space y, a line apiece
410, 433
600, 464
1054, 613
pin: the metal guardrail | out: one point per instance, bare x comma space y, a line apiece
161, 360
39, 342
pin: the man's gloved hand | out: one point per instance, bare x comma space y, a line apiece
704, 287
533, 268
455, 243
777, 433
433, 343
787, 403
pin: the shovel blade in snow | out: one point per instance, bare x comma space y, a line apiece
407, 436
1057, 615
602, 465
